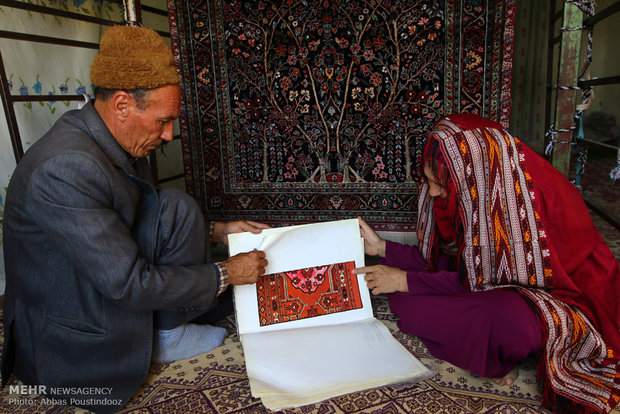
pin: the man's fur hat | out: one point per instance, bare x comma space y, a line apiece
131, 58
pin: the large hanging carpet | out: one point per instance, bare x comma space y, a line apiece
216, 382
312, 110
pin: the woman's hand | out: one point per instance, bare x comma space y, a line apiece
384, 279
373, 244
222, 229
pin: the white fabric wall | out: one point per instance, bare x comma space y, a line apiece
42, 69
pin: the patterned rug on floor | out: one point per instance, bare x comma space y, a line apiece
216, 382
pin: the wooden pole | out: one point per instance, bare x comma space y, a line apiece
133, 12
567, 77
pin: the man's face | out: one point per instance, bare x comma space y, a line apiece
147, 128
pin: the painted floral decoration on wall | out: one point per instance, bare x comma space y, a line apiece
37, 89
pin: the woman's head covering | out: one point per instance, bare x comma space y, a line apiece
488, 200
502, 228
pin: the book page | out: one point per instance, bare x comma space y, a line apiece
296, 254
307, 326
296, 367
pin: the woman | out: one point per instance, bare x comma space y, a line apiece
508, 265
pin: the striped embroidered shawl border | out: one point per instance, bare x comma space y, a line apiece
505, 244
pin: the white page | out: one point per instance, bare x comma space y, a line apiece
296, 247
302, 366
309, 360
305, 245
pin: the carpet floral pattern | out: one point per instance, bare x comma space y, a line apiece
310, 110
216, 382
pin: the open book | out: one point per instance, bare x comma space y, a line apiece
307, 327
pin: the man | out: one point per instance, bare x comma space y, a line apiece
104, 273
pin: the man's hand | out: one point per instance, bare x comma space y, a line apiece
222, 229
384, 279
245, 268
373, 244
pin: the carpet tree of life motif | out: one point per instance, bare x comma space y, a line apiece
331, 91
306, 293
313, 110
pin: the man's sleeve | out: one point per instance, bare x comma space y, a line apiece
73, 202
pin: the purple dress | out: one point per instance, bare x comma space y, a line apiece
486, 333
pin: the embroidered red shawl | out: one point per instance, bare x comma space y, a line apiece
520, 223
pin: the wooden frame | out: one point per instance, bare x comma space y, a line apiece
560, 114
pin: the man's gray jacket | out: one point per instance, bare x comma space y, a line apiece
83, 280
